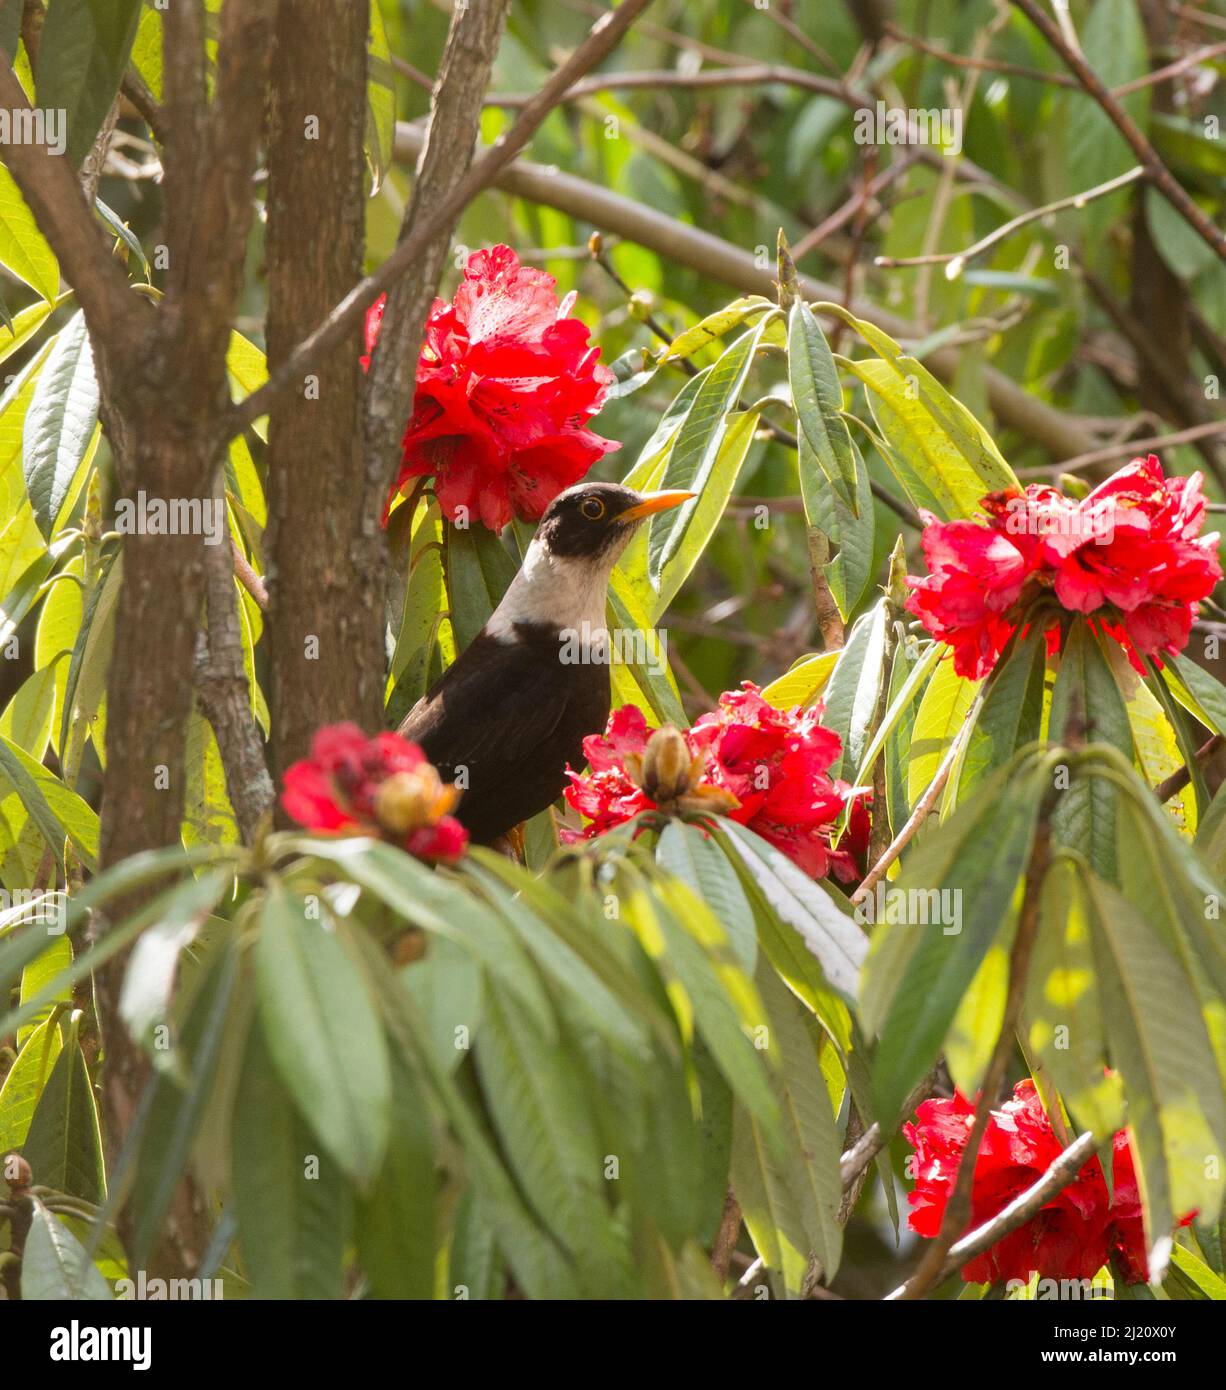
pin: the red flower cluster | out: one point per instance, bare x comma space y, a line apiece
1071, 1237
505, 387
380, 786
1130, 553
774, 764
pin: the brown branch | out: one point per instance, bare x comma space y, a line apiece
1062, 1171
1155, 170
719, 260
225, 696
348, 313
726, 1237
1182, 776
455, 123
48, 184
958, 1207
324, 567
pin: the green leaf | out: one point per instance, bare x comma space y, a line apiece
46, 969
696, 449
690, 855
22, 247
1193, 1278
1010, 714
479, 572
542, 1112
940, 719
322, 1033
55, 1265
24, 326
646, 682
924, 956
380, 101
818, 400
715, 326
705, 514
60, 422
1063, 1012
1084, 817
395, 1224
90, 660
27, 718
291, 1201
82, 55
24, 1084
1197, 690
64, 1143
803, 683
58, 812
855, 688
175, 1110
943, 457
850, 529
1161, 1047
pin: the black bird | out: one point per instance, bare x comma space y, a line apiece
513, 709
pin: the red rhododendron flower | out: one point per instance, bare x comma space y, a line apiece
505, 387
1131, 554
1072, 1235
381, 786
774, 763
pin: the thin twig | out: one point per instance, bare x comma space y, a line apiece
1075, 200
1156, 171
918, 816
1180, 778
1132, 446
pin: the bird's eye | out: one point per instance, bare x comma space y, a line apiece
592, 508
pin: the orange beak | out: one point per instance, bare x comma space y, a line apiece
655, 502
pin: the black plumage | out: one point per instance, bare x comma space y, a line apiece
512, 711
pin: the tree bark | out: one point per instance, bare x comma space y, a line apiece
325, 569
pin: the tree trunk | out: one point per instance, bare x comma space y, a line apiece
325, 569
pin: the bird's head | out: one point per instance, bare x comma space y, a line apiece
594, 521
565, 573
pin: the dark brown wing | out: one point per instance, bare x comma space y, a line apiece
508, 716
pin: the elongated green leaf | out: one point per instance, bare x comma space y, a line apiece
939, 720
24, 1084
850, 529
59, 813
322, 1033
292, 1204
60, 422
91, 654
818, 400
803, 683
380, 101
716, 325
64, 1144
175, 1110
24, 326
855, 688
479, 571
1086, 690
1176, 1113
1010, 714
693, 857
46, 970
22, 247
82, 55
696, 449
395, 1224
55, 1265
957, 893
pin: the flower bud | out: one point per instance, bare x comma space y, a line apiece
666, 765
405, 800
15, 1171
595, 244
642, 305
